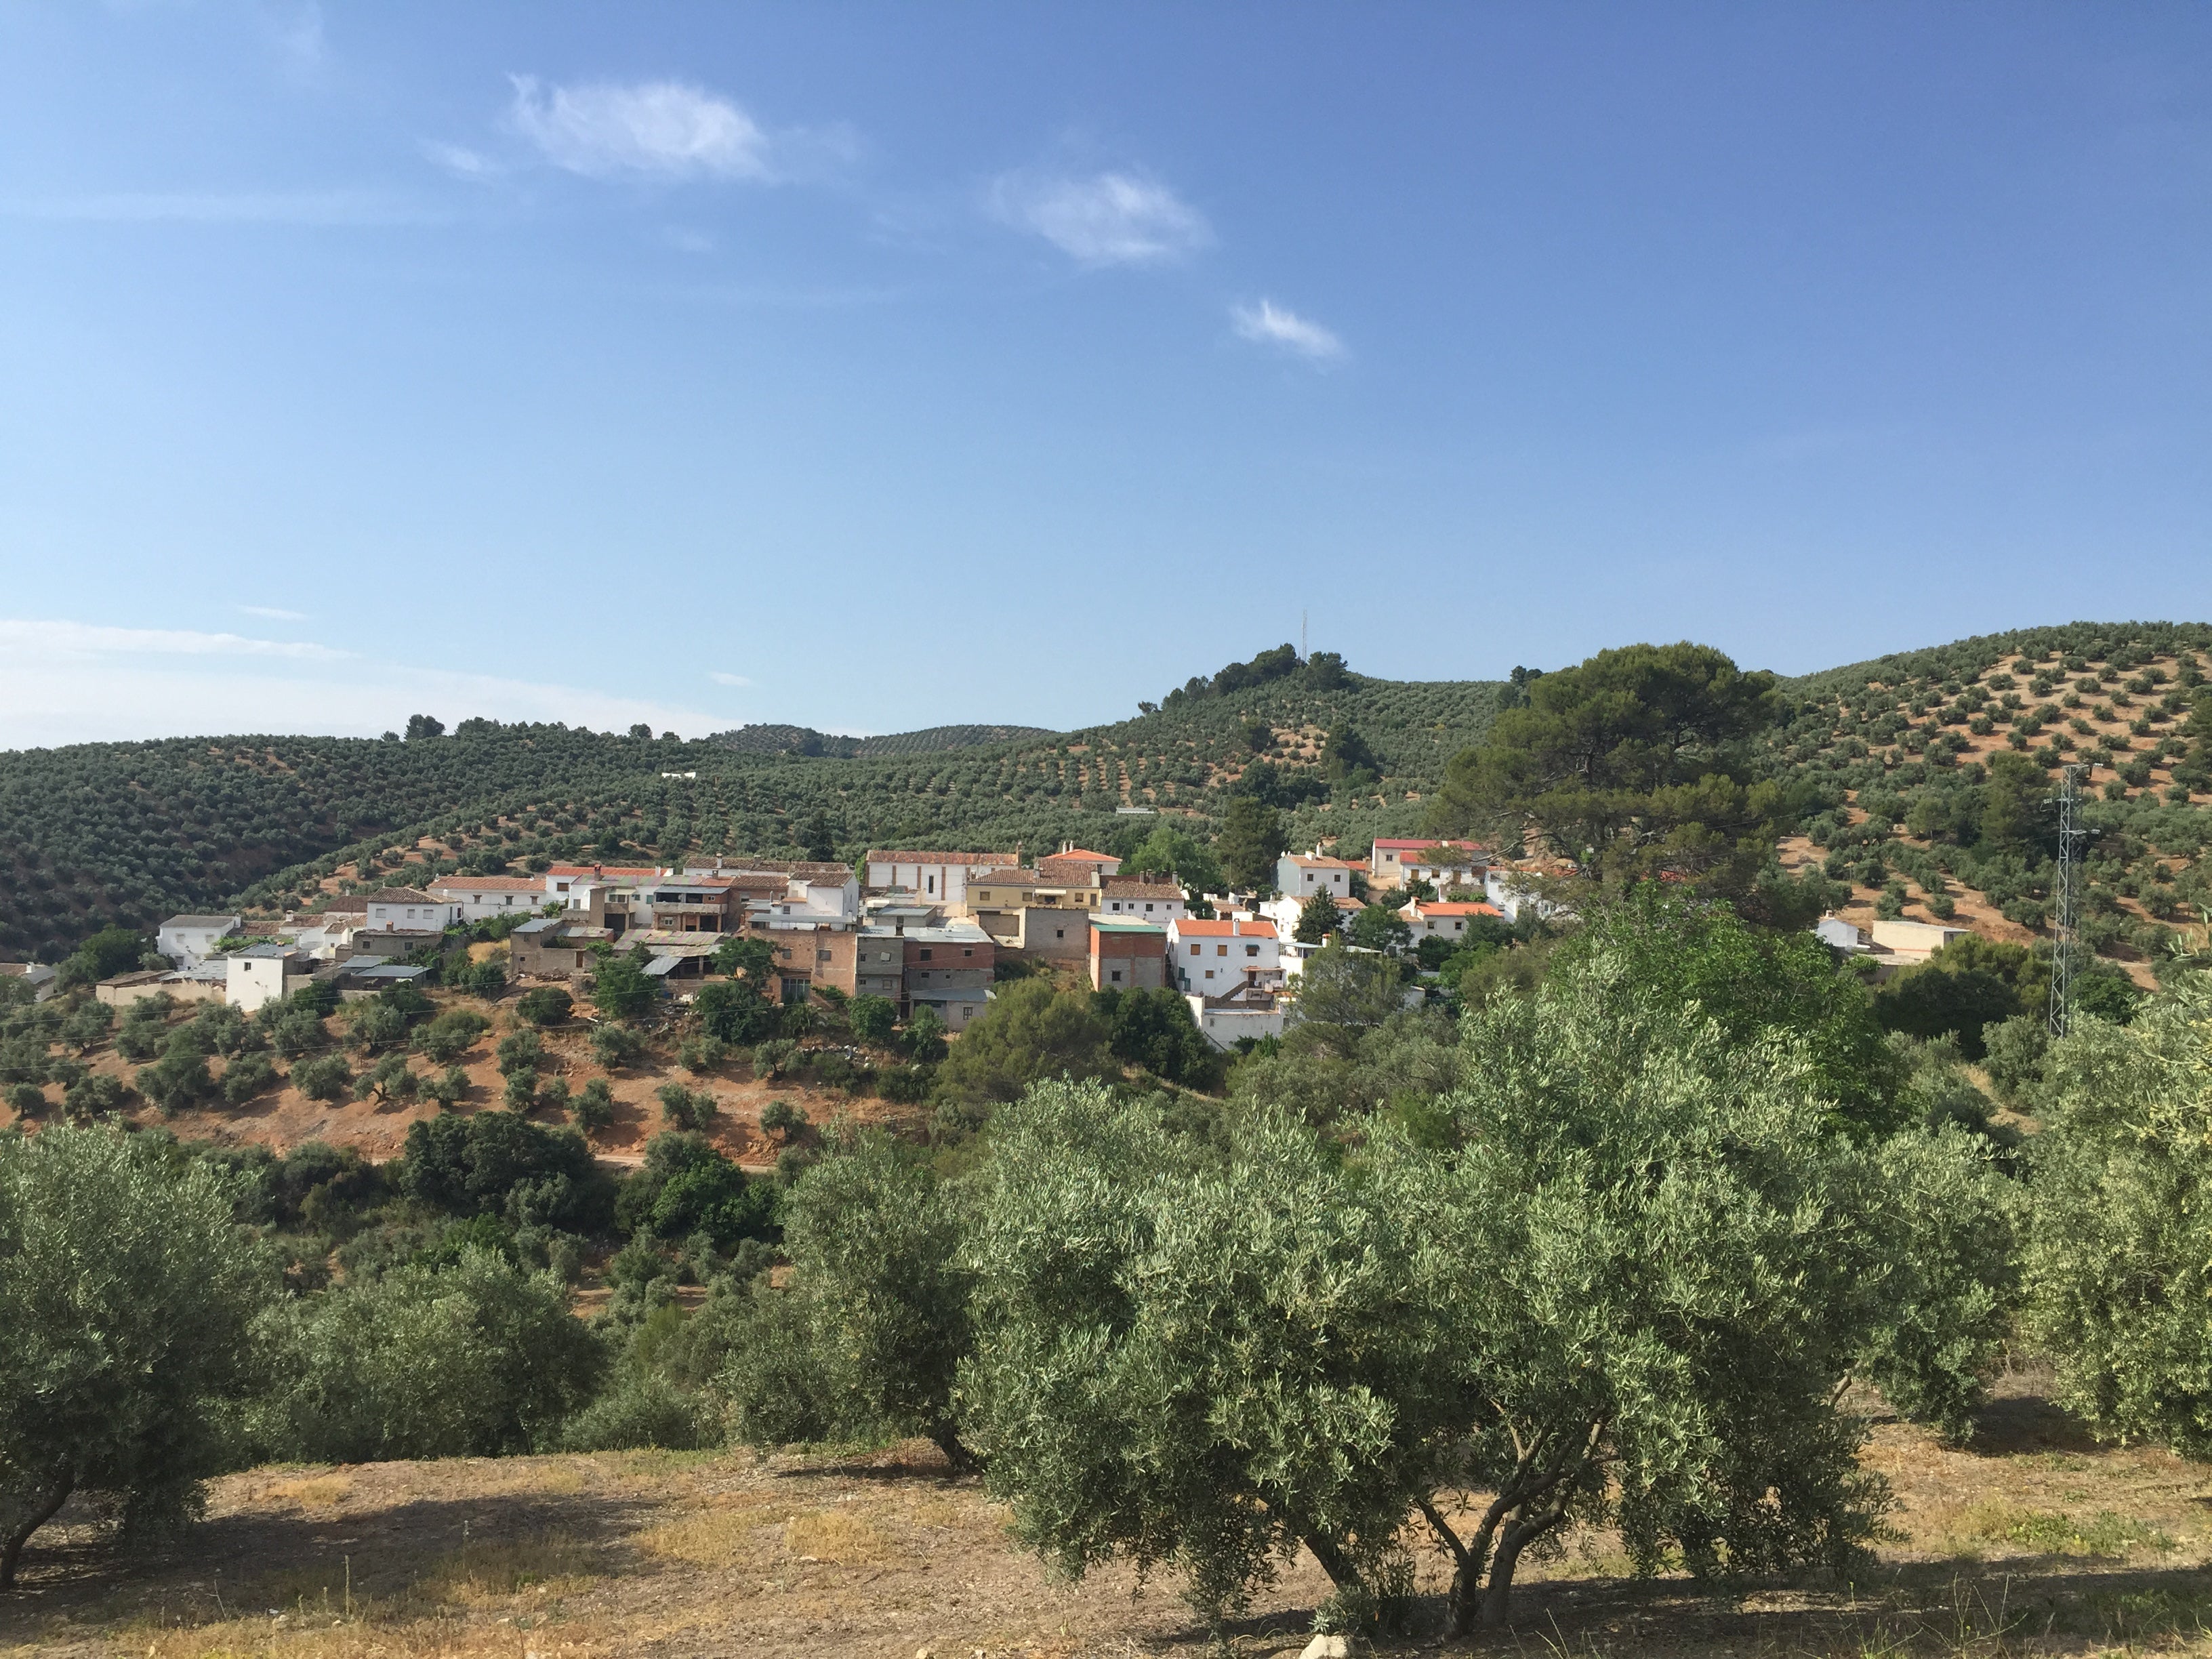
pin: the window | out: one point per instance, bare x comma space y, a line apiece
1221, 950
822, 955
925, 953
1117, 977
968, 950
1059, 932
1251, 949
1193, 949
1209, 973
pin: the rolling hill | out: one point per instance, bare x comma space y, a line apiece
129, 832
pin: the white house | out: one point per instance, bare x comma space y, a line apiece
1513, 891
190, 940
1284, 910
481, 898
323, 936
941, 878
1840, 935
1212, 957
1301, 875
1142, 898
1443, 919
263, 974
409, 910
814, 900
1244, 1011
1391, 863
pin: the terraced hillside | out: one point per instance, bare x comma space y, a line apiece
1928, 823
129, 832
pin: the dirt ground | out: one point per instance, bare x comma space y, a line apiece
284, 1118
2036, 1541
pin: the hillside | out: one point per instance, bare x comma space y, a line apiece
764, 739
131, 832
1900, 750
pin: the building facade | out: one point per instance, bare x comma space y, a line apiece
1127, 956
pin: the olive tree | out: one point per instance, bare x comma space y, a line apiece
2119, 1255
867, 1335
475, 1359
1664, 1264
127, 1295
1191, 1362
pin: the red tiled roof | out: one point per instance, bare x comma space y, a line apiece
1423, 846
1143, 886
1186, 927
603, 870
1310, 861
491, 884
1080, 852
1423, 908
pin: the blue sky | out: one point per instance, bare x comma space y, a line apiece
875, 367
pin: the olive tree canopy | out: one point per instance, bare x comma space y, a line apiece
128, 1293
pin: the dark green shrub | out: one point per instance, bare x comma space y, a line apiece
594, 1107
546, 1004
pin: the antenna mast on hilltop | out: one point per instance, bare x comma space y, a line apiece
2063, 923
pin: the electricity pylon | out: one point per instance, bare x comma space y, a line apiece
2070, 834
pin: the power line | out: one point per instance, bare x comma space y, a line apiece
2062, 925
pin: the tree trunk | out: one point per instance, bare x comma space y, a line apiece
1341, 1573
1498, 1597
42, 1510
1467, 1569
963, 1461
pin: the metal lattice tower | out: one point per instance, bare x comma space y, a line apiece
2070, 833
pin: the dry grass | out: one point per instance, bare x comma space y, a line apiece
319, 1491
551, 1562
2034, 1542
836, 1536
719, 1533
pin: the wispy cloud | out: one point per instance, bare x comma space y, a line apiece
722, 679
70, 682
463, 162
663, 127
257, 207
270, 613
53, 640
1108, 219
1269, 323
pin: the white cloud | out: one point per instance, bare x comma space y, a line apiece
662, 127
64, 682
270, 613
722, 679
76, 640
463, 162
1111, 219
1269, 323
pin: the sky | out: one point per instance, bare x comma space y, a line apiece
871, 367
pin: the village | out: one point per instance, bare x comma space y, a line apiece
928, 930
